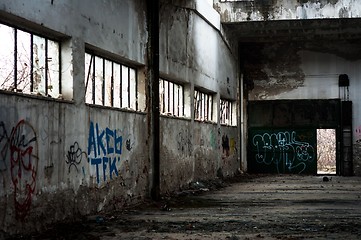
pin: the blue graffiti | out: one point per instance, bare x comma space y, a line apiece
104, 150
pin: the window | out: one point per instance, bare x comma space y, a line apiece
171, 98
109, 83
203, 106
226, 112
29, 63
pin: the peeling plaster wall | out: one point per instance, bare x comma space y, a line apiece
260, 10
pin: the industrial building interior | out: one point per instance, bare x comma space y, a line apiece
113, 102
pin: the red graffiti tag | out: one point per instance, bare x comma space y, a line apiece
24, 163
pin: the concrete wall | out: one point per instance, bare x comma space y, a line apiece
194, 53
49, 169
196, 151
258, 10
63, 159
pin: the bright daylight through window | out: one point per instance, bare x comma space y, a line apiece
203, 106
226, 112
171, 98
30, 63
109, 83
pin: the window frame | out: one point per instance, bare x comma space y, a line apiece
132, 88
29, 51
228, 112
171, 94
203, 106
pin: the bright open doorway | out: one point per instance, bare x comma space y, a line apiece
326, 151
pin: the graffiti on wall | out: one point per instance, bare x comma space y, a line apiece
282, 149
74, 156
19, 150
229, 146
358, 134
184, 142
225, 145
105, 150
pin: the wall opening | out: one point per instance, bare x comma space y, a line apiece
326, 151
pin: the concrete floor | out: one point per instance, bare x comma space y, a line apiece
254, 207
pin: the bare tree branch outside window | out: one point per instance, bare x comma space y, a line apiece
29, 63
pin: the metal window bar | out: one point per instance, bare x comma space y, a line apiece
230, 113
221, 111
121, 85
93, 82
31, 63
205, 106
209, 109
90, 65
136, 90
196, 105
200, 105
209, 114
60, 69
128, 87
112, 86
46, 67
182, 101
173, 105
178, 100
168, 97
103, 85
163, 83
15, 58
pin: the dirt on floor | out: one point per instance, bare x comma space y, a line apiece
245, 207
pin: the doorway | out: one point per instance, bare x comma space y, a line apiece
326, 151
